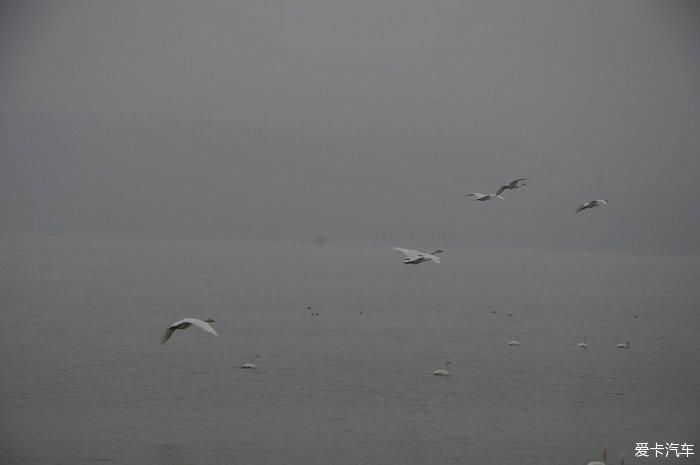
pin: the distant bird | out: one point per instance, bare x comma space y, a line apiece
483, 197
250, 365
186, 323
309, 307
414, 257
636, 316
512, 185
510, 314
494, 311
591, 204
605, 456
514, 342
444, 372
626, 345
584, 344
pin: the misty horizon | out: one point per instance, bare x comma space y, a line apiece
364, 123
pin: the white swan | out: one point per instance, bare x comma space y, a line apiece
444, 372
511, 185
514, 342
414, 257
605, 456
484, 197
584, 344
591, 204
250, 365
186, 323
626, 345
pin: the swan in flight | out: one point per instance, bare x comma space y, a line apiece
514, 342
186, 323
414, 257
250, 365
584, 344
444, 372
483, 197
591, 204
626, 345
512, 185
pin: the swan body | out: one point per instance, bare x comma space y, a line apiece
514, 342
511, 185
484, 197
605, 456
250, 365
444, 372
186, 323
626, 345
591, 204
584, 344
414, 257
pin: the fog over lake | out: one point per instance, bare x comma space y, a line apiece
245, 160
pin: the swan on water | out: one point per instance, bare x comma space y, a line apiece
591, 204
186, 323
605, 456
584, 344
626, 345
250, 365
511, 185
414, 257
444, 372
484, 197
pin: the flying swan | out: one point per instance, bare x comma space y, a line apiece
483, 197
512, 185
186, 323
591, 204
414, 257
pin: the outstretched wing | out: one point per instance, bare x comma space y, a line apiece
166, 335
501, 189
202, 325
410, 254
583, 206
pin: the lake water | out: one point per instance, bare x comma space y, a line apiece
84, 379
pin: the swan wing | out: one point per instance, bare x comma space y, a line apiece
410, 254
201, 325
166, 335
501, 189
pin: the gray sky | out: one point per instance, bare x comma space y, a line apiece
365, 121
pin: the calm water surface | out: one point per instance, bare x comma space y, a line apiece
85, 381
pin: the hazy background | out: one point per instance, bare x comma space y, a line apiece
362, 121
